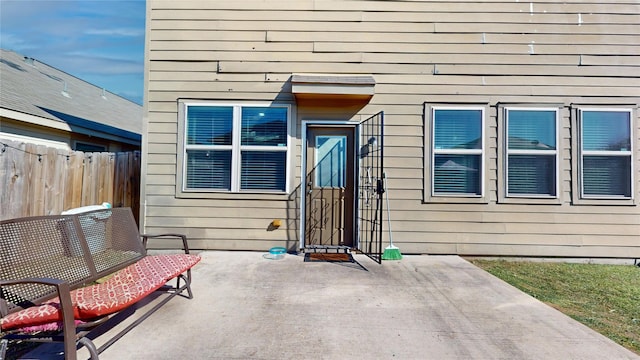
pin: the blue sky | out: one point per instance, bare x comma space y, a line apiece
99, 41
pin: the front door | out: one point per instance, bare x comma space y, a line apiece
329, 205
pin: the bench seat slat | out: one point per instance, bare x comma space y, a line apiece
121, 290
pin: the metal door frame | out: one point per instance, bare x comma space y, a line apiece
372, 129
303, 172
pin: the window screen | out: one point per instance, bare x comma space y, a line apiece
531, 152
457, 151
606, 153
236, 148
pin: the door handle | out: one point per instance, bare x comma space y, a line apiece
380, 187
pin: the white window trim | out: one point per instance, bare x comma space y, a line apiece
629, 153
429, 193
508, 152
236, 147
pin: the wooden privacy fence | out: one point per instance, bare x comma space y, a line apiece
41, 180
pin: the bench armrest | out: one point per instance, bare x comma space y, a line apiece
185, 245
63, 291
66, 306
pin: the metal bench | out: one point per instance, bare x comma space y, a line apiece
72, 273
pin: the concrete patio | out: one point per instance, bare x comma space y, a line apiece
421, 307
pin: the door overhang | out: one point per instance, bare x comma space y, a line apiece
335, 89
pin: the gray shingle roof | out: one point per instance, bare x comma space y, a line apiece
32, 87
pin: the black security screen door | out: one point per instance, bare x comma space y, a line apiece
370, 186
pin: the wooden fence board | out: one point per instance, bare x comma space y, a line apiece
73, 180
13, 180
30, 177
37, 180
53, 166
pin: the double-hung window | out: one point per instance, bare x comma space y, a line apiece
605, 153
235, 148
457, 151
532, 155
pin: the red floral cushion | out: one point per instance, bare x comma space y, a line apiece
131, 284
124, 288
36, 315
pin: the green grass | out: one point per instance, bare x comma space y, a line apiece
606, 298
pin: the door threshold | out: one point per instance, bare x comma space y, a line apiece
327, 249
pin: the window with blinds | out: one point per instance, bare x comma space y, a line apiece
605, 153
532, 156
457, 150
236, 148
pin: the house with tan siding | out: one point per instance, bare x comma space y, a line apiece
506, 128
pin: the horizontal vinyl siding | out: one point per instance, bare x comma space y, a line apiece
485, 52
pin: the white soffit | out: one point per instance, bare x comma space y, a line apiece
34, 140
33, 119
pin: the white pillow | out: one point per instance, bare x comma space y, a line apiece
83, 209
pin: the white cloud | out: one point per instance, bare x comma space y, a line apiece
124, 32
93, 40
10, 41
104, 65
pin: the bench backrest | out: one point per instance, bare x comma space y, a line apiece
79, 248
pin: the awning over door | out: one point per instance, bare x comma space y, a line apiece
349, 88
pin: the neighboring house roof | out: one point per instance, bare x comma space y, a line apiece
37, 93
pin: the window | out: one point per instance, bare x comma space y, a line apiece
457, 155
86, 147
605, 153
532, 155
235, 148
331, 156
